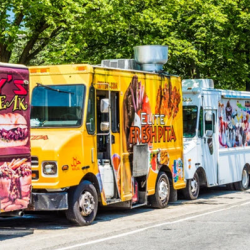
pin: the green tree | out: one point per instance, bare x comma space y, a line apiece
28, 27
206, 38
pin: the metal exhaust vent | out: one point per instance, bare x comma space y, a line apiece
151, 57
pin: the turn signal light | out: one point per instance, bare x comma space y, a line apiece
65, 167
35, 175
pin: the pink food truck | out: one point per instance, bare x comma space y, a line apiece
15, 162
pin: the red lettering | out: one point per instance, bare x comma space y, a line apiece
137, 135
132, 134
153, 135
21, 90
167, 128
2, 82
148, 133
9, 78
160, 130
172, 137
143, 134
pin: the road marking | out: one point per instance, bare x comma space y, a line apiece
150, 227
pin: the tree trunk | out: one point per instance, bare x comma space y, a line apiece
247, 86
4, 54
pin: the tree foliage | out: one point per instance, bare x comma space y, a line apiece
206, 38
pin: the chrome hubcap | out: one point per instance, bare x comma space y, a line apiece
86, 203
163, 190
194, 186
245, 178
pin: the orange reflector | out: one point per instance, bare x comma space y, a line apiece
81, 68
44, 70
33, 70
65, 167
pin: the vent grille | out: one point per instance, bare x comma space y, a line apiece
34, 161
120, 64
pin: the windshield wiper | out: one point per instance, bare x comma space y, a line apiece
57, 90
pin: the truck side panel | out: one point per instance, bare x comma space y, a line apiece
234, 138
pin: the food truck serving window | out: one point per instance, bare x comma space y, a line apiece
189, 121
57, 105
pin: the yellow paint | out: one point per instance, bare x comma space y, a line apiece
67, 146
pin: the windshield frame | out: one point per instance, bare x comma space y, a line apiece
197, 116
62, 126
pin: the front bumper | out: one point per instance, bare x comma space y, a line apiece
49, 201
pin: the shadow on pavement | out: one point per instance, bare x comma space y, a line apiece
13, 227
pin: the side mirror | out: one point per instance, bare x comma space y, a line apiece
209, 133
104, 126
209, 117
104, 105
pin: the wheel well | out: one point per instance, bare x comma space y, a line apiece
247, 166
166, 170
202, 176
92, 178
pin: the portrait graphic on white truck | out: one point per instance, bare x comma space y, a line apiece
234, 123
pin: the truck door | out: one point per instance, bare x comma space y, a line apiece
210, 149
115, 136
108, 140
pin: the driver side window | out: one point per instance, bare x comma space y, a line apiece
90, 121
209, 122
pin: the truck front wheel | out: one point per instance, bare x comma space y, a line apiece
191, 192
83, 204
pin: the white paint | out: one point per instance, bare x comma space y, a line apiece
150, 227
226, 163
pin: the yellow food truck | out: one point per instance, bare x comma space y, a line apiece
107, 134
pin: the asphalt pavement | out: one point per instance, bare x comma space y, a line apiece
219, 219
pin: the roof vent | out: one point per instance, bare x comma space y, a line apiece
120, 64
151, 57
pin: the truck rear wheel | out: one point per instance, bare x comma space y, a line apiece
162, 192
83, 204
244, 183
192, 190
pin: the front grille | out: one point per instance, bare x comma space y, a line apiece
34, 161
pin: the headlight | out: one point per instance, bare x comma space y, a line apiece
49, 168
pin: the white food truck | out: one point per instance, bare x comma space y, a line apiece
216, 136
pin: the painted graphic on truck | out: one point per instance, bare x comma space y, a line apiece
142, 126
234, 118
15, 165
15, 184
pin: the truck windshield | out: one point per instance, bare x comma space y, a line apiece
57, 105
189, 121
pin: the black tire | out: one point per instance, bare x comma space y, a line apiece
192, 190
160, 199
77, 195
244, 183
